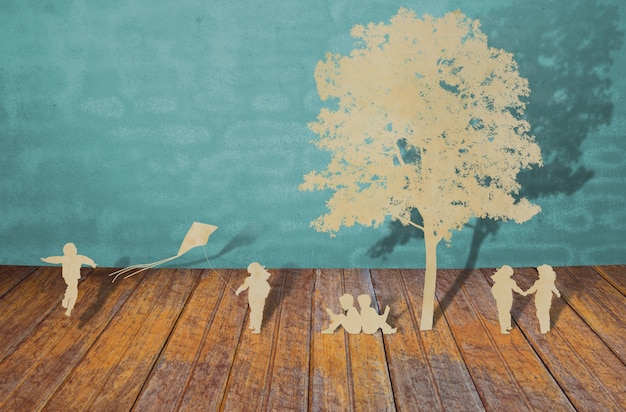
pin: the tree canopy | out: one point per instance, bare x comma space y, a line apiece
426, 116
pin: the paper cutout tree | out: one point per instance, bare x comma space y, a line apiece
71, 262
426, 118
258, 290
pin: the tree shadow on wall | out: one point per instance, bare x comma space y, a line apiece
565, 52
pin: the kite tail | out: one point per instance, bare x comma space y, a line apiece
140, 268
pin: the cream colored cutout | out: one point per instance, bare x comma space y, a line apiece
427, 118
371, 321
502, 290
197, 235
258, 290
543, 289
368, 320
70, 271
351, 320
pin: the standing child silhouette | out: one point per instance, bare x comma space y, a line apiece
544, 287
258, 290
71, 262
502, 291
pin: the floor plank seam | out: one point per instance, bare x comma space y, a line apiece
270, 366
311, 341
601, 337
24, 276
242, 330
602, 272
205, 333
385, 348
346, 339
580, 359
166, 341
418, 332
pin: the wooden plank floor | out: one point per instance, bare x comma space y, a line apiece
177, 339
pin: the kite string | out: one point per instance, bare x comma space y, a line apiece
218, 275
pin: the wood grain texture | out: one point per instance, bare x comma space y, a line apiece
12, 275
413, 380
585, 368
58, 343
172, 340
331, 376
166, 384
615, 275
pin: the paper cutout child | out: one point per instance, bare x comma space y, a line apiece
371, 321
258, 290
71, 262
544, 287
351, 320
502, 291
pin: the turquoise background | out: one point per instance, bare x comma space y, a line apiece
122, 122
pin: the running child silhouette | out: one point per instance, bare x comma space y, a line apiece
71, 262
544, 287
258, 290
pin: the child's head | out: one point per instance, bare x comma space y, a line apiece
546, 272
504, 272
364, 301
347, 301
255, 269
69, 249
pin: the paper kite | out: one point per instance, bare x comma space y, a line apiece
197, 235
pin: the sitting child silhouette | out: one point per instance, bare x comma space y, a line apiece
371, 321
71, 262
351, 320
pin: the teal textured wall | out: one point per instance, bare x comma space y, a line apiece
121, 122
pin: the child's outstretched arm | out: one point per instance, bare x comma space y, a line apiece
241, 288
88, 261
53, 259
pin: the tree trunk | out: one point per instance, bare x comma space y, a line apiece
428, 305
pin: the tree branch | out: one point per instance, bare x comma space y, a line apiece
410, 222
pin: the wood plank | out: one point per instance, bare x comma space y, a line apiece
414, 382
28, 303
494, 380
599, 304
604, 291
248, 381
454, 384
290, 373
12, 275
128, 377
46, 357
370, 376
110, 375
533, 380
615, 275
205, 388
589, 373
166, 383
331, 378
